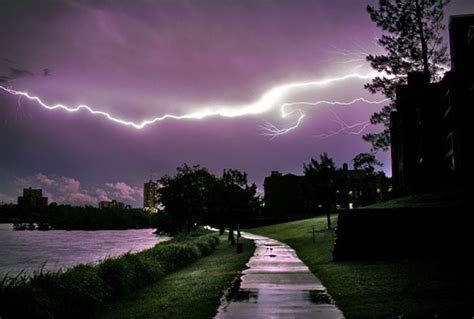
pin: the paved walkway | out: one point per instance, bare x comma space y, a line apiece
278, 284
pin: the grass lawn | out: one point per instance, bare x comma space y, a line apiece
192, 292
445, 198
378, 289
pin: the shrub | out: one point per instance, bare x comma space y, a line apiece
207, 244
175, 255
77, 292
16, 291
81, 290
117, 274
145, 269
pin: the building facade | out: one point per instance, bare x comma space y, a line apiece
150, 195
294, 195
430, 129
112, 204
32, 199
457, 102
416, 135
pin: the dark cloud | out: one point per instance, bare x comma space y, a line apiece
12, 71
16, 73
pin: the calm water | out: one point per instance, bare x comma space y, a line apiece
29, 250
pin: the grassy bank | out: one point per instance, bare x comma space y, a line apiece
192, 292
379, 289
447, 198
77, 292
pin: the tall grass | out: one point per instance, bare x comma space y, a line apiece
79, 291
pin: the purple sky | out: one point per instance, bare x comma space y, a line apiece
138, 59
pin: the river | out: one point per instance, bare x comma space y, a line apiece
28, 251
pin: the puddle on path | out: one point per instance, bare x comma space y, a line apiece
277, 284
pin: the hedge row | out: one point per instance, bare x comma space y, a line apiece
79, 291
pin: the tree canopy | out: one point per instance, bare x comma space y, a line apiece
366, 162
195, 196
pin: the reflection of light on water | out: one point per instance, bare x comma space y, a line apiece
29, 250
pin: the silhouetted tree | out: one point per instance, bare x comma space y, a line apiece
373, 183
321, 176
413, 42
194, 196
366, 162
88, 217
185, 196
238, 198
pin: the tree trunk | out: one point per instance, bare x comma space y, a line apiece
424, 47
231, 237
328, 215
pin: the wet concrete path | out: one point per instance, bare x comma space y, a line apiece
278, 284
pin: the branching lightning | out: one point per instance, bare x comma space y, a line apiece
360, 127
269, 100
272, 131
344, 127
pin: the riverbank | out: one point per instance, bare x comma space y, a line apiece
68, 217
192, 292
28, 251
79, 291
414, 288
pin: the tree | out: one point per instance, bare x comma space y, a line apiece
366, 162
185, 196
321, 176
194, 196
237, 198
413, 43
371, 180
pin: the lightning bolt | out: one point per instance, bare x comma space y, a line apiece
346, 129
272, 131
265, 103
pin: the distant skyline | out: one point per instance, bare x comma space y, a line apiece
141, 59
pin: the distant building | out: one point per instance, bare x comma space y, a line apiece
356, 188
293, 195
150, 194
112, 204
431, 127
32, 199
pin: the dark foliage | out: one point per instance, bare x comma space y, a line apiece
79, 218
194, 196
322, 177
413, 43
332, 187
366, 162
